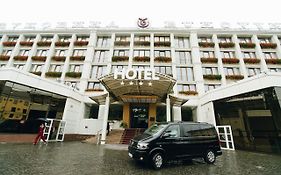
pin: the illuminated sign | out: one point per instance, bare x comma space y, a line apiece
133, 74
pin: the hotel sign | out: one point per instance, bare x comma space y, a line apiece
135, 74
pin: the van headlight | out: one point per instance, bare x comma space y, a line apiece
142, 145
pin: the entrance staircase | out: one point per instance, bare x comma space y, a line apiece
130, 133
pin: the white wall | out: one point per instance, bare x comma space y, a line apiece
71, 116
207, 114
176, 113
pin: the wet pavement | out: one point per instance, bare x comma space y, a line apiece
83, 158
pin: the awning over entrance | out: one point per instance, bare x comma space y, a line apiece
120, 89
100, 99
176, 101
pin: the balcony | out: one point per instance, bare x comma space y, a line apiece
251, 60
73, 74
206, 44
120, 58
58, 58
39, 58
226, 45
141, 59
188, 92
36, 73
9, 43
234, 77
273, 61
77, 58
268, 45
162, 44
122, 43
230, 60
53, 74
142, 43
209, 60
44, 43
94, 90
20, 58
81, 43
26, 43
163, 59
247, 45
212, 77
4, 57
62, 43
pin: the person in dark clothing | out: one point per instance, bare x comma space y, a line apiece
40, 134
107, 128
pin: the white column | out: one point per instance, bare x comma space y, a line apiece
168, 109
105, 118
218, 55
177, 113
239, 55
259, 53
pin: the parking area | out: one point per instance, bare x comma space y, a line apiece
83, 158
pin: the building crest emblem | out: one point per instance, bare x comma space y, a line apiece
143, 22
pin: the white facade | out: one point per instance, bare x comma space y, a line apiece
230, 68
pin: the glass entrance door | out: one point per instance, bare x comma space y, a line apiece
139, 115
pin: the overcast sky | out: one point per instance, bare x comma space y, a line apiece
125, 12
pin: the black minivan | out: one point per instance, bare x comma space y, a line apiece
176, 140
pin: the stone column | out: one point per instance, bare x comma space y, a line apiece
105, 119
168, 109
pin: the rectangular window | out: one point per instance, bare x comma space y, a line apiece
103, 41
36, 68
182, 42
19, 66
60, 53
253, 71
228, 54
122, 38
7, 52
121, 53
224, 39
101, 56
140, 67
183, 57
164, 70
205, 39
209, 87
75, 68
98, 71
245, 40
249, 54
185, 74
275, 69
13, 38
82, 38
231, 71
142, 53
64, 38
142, 38
55, 68
210, 70
270, 55
162, 53
265, 40
46, 38
29, 38
95, 85
207, 54
42, 53
186, 87
79, 52
24, 52
119, 68
162, 38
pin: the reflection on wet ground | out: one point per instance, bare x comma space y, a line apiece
82, 158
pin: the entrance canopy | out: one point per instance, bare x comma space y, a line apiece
155, 90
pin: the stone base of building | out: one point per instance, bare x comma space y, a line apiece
17, 138
76, 137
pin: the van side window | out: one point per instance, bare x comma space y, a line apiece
191, 130
208, 130
173, 130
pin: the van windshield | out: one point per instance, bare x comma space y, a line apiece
155, 129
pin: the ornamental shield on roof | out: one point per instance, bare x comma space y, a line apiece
143, 22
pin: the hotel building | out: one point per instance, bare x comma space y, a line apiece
83, 78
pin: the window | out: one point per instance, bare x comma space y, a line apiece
161, 38
207, 54
19, 66
245, 40
122, 38
182, 42
98, 71
24, 52
42, 53
55, 68
82, 38
224, 39
121, 53
140, 67
103, 41
265, 40
74, 84
185, 74
162, 53
186, 87
7, 52
205, 39
101, 56
275, 69
249, 54
94, 85
253, 71
173, 131
228, 54
231, 71
142, 38
183, 57
142, 53
270, 55
191, 130
78, 52
29, 38
12, 38
60, 52
164, 70
46, 38
210, 70
119, 68
64, 38
36, 68
209, 87
75, 68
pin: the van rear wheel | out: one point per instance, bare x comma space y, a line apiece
210, 157
157, 160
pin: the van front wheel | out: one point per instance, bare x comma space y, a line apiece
157, 160
210, 157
